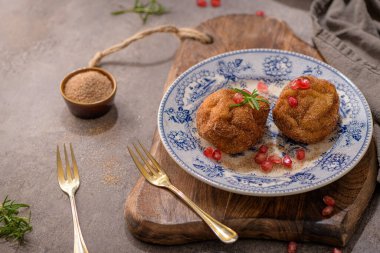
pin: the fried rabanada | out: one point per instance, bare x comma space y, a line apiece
230, 129
314, 117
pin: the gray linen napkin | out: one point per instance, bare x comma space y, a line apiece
347, 34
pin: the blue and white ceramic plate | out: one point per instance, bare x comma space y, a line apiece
325, 161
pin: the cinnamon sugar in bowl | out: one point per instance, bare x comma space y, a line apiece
89, 92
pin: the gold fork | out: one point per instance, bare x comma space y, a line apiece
70, 185
153, 172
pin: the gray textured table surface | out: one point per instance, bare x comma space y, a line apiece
40, 42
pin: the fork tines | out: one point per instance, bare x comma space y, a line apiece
71, 171
152, 167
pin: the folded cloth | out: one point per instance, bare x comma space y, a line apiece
347, 34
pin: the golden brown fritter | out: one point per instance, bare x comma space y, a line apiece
316, 114
230, 129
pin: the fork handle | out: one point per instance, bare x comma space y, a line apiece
79, 245
224, 233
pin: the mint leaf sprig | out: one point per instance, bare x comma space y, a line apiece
251, 98
144, 9
13, 226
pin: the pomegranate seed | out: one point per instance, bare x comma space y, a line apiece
260, 13
287, 161
300, 83
260, 158
215, 3
336, 250
328, 200
217, 154
266, 166
294, 85
201, 3
262, 87
300, 153
292, 101
275, 159
303, 83
292, 247
208, 152
263, 149
238, 98
327, 211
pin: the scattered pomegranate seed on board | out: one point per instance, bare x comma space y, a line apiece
300, 154
201, 3
275, 159
292, 101
287, 161
327, 211
217, 154
215, 3
263, 149
328, 200
260, 13
292, 247
208, 152
260, 158
266, 166
238, 98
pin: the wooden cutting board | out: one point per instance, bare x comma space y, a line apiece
155, 215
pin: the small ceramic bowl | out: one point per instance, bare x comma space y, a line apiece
89, 110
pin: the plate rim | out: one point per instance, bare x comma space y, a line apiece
274, 193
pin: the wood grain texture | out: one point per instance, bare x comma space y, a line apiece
157, 216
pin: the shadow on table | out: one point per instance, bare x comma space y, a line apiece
303, 5
367, 216
211, 246
89, 127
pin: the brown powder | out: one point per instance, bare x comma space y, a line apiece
111, 179
88, 87
111, 171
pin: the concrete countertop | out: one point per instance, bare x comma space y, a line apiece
42, 41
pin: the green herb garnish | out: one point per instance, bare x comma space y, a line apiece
13, 226
144, 9
251, 98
